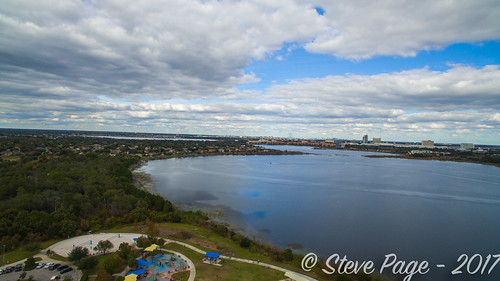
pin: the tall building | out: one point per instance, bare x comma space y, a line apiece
427, 143
365, 139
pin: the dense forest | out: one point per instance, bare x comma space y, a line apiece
61, 196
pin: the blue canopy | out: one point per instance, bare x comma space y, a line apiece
141, 263
212, 255
137, 272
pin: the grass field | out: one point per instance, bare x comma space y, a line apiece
181, 276
230, 270
27, 251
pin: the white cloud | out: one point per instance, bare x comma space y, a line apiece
362, 29
418, 89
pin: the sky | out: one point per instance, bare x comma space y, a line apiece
397, 70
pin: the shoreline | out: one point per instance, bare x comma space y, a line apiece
435, 158
395, 154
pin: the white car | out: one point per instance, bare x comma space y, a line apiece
40, 265
1, 271
48, 265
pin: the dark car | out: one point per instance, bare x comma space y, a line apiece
19, 267
9, 269
54, 266
67, 269
62, 267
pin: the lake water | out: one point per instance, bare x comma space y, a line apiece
341, 202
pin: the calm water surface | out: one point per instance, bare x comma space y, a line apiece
341, 202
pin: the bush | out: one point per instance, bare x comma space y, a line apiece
112, 264
287, 255
102, 275
245, 242
88, 263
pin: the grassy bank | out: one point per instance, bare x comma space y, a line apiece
231, 270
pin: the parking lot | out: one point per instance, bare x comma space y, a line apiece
42, 274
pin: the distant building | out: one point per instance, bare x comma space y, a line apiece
377, 140
330, 141
427, 143
365, 139
466, 146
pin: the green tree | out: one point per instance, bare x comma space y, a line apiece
143, 242
103, 246
153, 229
124, 250
287, 255
131, 260
78, 253
88, 263
29, 264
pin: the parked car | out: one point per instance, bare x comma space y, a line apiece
62, 267
54, 266
19, 267
9, 269
55, 278
48, 265
1, 271
40, 265
67, 269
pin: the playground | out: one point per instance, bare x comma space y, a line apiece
162, 266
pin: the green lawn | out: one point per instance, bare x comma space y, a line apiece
181, 276
231, 270
27, 251
58, 257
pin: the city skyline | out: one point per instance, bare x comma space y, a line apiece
405, 71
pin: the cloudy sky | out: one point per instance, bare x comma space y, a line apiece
399, 70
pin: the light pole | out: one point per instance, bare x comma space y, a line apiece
3, 256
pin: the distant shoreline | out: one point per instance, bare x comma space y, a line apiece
437, 158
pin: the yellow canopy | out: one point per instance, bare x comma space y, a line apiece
131, 277
151, 248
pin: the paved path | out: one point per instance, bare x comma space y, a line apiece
192, 271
